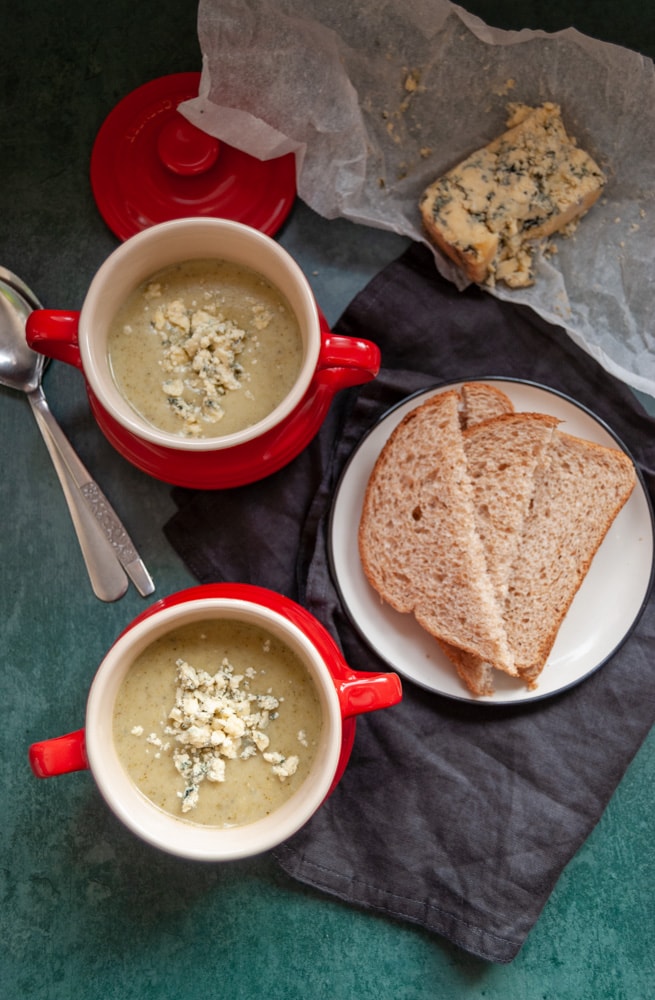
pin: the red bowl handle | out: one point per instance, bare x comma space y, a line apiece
349, 352
363, 692
60, 755
345, 361
53, 332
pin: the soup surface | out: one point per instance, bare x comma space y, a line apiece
217, 722
205, 348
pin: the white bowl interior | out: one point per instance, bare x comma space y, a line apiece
172, 242
161, 829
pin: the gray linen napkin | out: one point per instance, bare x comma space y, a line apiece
453, 816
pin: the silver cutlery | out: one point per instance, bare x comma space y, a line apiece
109, 553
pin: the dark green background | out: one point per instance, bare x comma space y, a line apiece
85, 909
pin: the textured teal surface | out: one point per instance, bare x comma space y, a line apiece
85, 909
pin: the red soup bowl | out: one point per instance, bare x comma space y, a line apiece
342, 694
329, 362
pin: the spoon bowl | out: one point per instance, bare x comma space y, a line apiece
21, 368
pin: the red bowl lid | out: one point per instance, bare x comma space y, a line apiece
150, 164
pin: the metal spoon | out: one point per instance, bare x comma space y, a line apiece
106, 547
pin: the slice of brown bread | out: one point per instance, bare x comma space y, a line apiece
502, 454
482, 401
418, 540
579, 491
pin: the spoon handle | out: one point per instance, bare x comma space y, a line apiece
107, 577
108, 551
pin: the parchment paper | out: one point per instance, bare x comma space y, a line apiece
376, 98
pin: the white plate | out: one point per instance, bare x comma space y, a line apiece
604, 610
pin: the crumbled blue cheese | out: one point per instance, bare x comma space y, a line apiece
217, 718
201, 357
488, 212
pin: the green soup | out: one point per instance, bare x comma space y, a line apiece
217, 722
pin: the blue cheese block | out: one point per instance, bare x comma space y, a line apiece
489, 211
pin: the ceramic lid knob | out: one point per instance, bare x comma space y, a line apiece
185, 149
